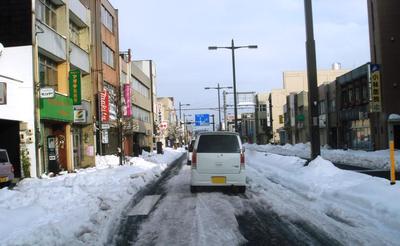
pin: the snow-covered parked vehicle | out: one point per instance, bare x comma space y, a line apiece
6, 168
218, 160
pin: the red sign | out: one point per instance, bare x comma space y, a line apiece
105, 106
128, 101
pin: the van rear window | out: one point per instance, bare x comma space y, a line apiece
3, 156
218, 144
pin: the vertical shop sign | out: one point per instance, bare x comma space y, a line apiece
75, 86
376, 104
105, 106
128, 101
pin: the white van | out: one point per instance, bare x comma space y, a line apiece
218, 160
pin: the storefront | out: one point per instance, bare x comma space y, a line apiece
361, 134
56, 117
83, 136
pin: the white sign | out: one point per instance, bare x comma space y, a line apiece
3, 93
46, 92
105, 126
80, 116
104, 137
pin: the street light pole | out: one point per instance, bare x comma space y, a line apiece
312, 82
233, 48
219, 102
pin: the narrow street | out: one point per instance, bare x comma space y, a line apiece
209, 218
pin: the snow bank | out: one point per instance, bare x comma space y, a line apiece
77, 208
362, 210
368, 159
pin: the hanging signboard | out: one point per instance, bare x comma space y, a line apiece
80, 115
375, 82
47, 92
128, 101
104, 137
3, 93
75, 86
105, 106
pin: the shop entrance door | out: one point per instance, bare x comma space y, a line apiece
77, 147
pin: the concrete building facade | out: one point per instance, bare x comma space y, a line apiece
384, 17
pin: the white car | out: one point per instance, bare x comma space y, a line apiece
218, 160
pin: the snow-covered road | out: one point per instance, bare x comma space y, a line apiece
286, 204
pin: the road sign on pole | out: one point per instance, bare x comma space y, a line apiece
202, 120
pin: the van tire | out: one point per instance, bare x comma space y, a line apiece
241, 189
193, 189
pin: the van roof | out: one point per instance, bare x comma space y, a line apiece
219, 133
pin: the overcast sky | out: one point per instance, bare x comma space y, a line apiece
176, 34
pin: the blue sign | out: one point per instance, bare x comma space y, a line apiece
202, 119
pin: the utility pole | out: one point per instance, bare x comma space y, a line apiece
312, 82
224, 100
233, 48
213, 122
219, 102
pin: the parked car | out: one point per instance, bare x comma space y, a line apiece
6, 168
218, 160
190, 151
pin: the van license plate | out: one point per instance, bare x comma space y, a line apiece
218, 180
3, 179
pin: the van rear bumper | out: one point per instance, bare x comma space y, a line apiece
204, 179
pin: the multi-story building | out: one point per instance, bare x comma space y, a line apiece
277, 99
296, 81
263, 118
63, 58
59, 48
17, 116
385, 52
106, 72
167, 128
248, 127
354, 105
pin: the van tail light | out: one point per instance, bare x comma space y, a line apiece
194, 159
242, 161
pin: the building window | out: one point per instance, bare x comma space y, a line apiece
332, 106
351, 96
263, 107
140, 88
47, 72
322, 107
358, 96
46, 13
106, 18
108, 56
74, 33
365, 95
140, 114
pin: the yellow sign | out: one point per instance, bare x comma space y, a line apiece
376, 101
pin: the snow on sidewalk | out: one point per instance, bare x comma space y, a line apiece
354, 208
78, 208
360, 158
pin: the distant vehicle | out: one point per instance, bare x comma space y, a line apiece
190, 151
6, 168
218, 160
